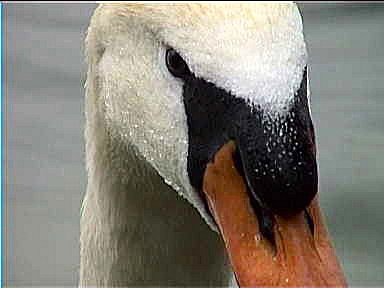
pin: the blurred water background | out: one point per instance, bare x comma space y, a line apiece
45, 176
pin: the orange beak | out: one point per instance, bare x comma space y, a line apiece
299, 258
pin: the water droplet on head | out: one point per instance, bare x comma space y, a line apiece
167, 182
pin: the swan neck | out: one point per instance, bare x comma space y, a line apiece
135, 230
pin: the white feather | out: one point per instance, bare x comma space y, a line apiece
136, 131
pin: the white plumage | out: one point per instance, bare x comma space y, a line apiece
134, 228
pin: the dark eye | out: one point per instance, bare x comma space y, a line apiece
176, 64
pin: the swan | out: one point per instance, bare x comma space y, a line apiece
171, 90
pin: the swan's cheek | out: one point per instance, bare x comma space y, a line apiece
144, 107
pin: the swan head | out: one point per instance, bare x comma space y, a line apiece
254, 52
178, 81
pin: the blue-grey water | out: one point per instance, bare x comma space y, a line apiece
45, 177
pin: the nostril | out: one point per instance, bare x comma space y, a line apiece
310, 223
265, 218
237, 161
266, 221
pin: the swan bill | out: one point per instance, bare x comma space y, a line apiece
299, 256
168, 87
256, 166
